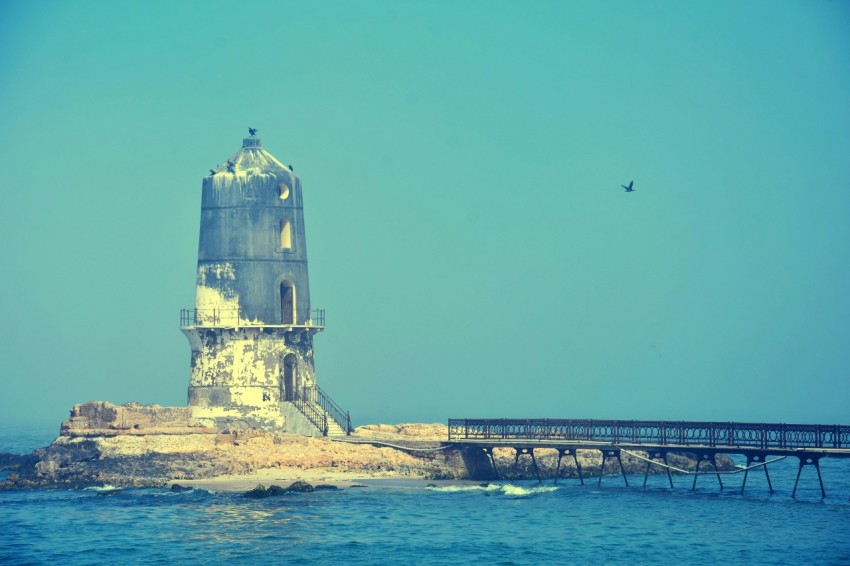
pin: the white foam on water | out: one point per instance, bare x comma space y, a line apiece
507, 489
463, 488
517, 491
104, 487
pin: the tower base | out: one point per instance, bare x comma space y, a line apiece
256, 367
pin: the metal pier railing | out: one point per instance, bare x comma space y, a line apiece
660, 433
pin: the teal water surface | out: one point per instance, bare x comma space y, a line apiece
410, 523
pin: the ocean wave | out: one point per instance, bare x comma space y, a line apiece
506, 489
464, 488
518, 491
104, 487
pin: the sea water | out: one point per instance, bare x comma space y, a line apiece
409, 522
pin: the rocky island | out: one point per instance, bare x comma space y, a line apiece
135, 445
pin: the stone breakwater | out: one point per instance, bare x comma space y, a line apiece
138, 446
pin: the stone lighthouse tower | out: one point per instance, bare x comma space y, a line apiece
252, 327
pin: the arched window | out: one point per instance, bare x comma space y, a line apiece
289, 378
285, 234
283, 191
287, 303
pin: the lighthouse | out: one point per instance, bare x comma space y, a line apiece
252, 328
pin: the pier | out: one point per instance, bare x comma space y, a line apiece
758, 442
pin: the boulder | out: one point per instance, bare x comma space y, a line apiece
258, 492
275, 491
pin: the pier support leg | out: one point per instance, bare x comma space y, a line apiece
534, 463
530, 451
601, 470
747, 471
667, 467
716, 470
696, 473
578, 467
561, 453
615, 453
489, 452
651, 460
767, 475
809, 460
796, 481
758, 459
820, 479
622, 469
558, 468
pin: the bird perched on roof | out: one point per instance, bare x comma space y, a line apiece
291, 168
253, 131
230, 166
212, 172
629, 189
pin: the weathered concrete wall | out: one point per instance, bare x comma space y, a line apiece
242, 258
297, 423
101, 418
245, 367
252, 337
240, 418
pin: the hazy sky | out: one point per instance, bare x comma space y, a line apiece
466, 229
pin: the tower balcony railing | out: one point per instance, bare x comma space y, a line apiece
237, 318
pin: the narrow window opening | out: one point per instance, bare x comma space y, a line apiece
287, 303
285, 234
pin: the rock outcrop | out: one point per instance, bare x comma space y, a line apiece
99, 418
135, 445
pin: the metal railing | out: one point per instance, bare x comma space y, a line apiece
679, 433
318, 418
342, 418
318, 407
233, 318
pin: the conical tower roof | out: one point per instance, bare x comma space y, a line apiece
252, 159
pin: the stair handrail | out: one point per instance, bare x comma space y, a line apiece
319, 419
339, 416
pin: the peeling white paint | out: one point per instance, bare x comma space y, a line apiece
218, 271
217, 308
266, 415
245, 357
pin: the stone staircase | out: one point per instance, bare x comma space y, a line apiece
321, 413
334, 428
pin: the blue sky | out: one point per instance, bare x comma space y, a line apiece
461, 165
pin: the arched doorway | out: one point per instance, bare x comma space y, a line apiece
287, 303
289, 377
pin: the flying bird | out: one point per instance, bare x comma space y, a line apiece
629, 189
253, 131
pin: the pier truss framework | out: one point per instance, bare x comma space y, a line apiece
704, 440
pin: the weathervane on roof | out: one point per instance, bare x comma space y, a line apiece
253, 132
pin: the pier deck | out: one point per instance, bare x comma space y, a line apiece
704, 440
